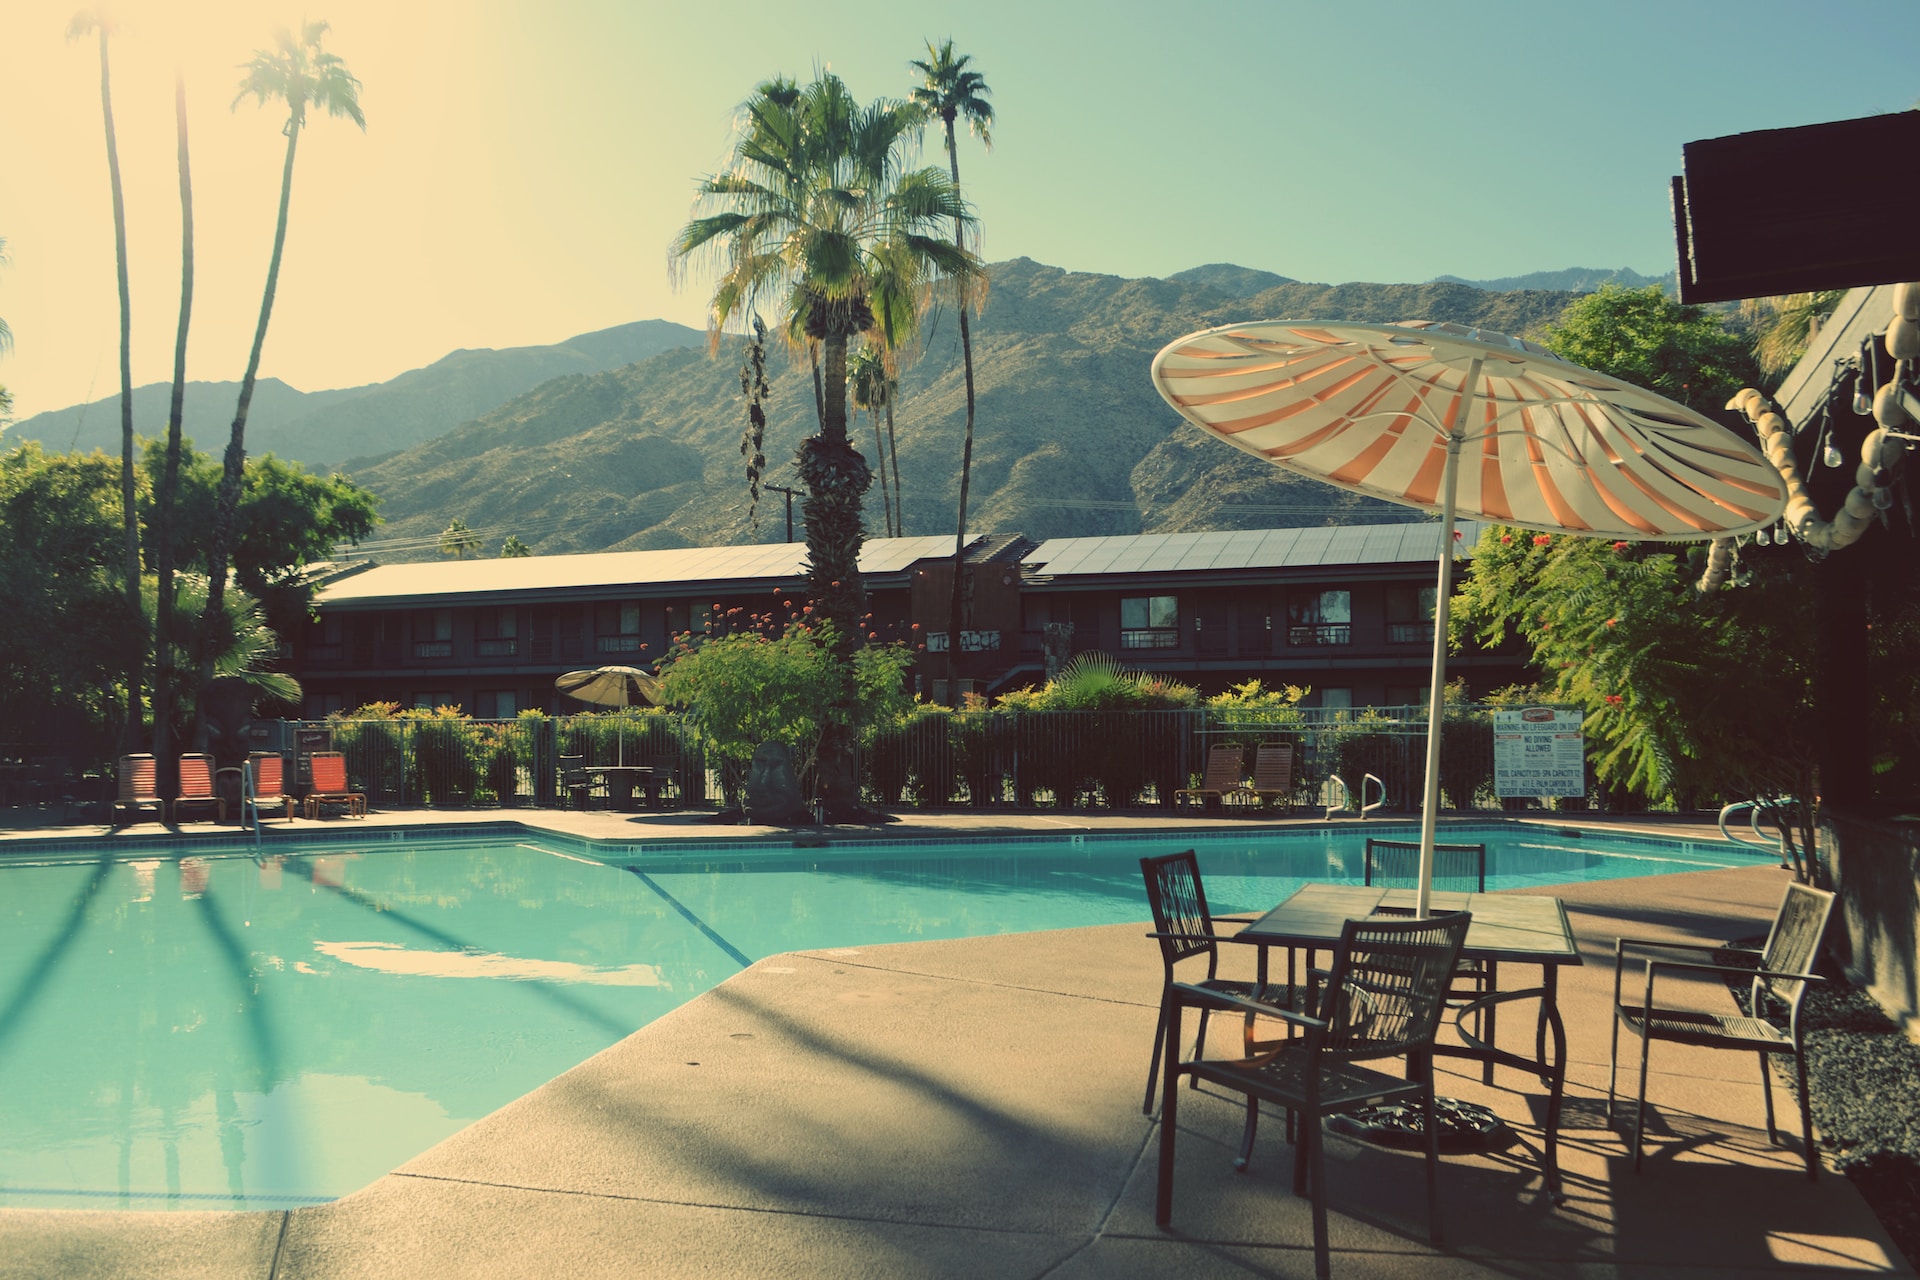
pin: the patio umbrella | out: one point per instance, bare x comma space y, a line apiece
612, 687
1387, 410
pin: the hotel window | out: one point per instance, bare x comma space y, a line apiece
1320, 617
1337, 699
616, 627
1149, 622
499, 631
433, 633
433, 700
495, 704
1409, 614
329, 642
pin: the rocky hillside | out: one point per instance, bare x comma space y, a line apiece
1071, 438
322, 428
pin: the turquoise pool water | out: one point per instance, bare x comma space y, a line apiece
203, 1030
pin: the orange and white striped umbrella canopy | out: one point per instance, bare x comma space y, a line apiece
1544, 444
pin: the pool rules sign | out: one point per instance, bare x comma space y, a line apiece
1538, 751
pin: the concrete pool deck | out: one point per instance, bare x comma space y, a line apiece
972, 1108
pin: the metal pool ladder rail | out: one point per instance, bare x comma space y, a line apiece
1345, 794
1764, 807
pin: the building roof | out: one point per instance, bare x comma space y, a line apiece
687, 567
1247, 549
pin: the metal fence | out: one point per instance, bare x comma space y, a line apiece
966, 759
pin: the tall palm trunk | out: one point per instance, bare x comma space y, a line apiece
966, 457
880, 457
893, 451
168, 494
836, 477
226, 508
130, 511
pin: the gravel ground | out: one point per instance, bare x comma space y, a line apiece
1864, 1075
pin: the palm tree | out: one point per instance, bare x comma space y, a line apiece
816, 213
1784, 326
951, 91
6, 345
298, 72
866, 375
97, 22
168, 492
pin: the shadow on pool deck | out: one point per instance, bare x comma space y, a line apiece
971, 1108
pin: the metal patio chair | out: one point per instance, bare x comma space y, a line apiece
1383, 998
1459, 868
1184, 928
1785, 968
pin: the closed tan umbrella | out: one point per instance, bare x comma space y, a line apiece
1463, 421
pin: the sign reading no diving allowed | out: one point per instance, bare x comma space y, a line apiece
1538, 751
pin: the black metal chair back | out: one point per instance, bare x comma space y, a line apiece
1389, 984
1179, 906
1460, 868
1793, 945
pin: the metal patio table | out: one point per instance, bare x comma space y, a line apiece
1508, 929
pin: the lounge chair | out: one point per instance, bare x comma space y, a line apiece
328, 769
1272, 776
1383, 999
196, 785
138, 789
1785, 968
269, 783
1223, 776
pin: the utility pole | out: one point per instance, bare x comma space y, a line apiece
774, 488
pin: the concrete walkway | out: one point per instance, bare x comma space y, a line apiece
972, 1108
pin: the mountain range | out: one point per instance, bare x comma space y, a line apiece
324, 428
1071, 438
630, 437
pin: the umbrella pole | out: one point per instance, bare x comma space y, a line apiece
1430, 801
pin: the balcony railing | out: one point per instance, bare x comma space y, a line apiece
433, 648
499, 648
1409, 633
1167, 639
616, 644
1321, 633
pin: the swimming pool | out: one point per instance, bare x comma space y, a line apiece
203, 1029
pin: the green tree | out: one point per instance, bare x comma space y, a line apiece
457, 541
98, 22
62, 652
167, 492
1783, 326
298, 72
747, 688
1642, 336
513, 548
816, 214
950, 91
1679, 689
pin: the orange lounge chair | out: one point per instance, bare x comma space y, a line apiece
1272, 775
137, 789
1222, 779
196, 785
329, 773
269, 783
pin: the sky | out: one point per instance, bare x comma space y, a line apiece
525, 165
